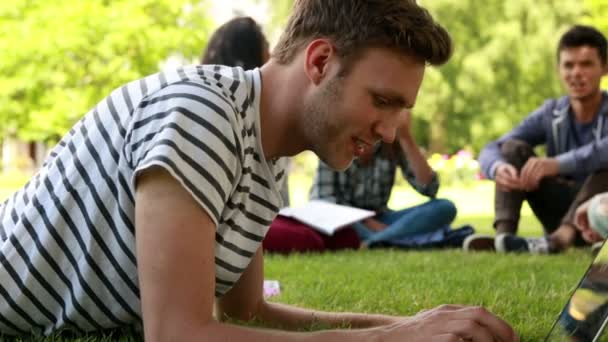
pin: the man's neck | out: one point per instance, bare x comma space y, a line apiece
586, 109
280, 105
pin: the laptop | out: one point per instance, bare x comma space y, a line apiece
585, 315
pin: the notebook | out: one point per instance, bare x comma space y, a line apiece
585, 315
326, 217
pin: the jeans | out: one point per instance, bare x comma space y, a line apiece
554, 202
423, 218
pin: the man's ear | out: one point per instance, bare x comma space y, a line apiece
317, 59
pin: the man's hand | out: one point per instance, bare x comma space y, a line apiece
452, 323
581, 221
507, 178
535, 170
403, 131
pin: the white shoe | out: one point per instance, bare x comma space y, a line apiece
508, 243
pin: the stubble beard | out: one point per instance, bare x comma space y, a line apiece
321, 127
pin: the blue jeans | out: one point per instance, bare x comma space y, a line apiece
423, 218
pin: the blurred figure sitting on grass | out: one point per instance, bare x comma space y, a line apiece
574, 130
367, 184
238, 42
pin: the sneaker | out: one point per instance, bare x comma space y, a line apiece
508, 243
478, 242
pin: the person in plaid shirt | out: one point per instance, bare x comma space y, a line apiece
367, 184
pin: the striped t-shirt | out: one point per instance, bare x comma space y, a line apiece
67, 244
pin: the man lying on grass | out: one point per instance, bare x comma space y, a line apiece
153, 207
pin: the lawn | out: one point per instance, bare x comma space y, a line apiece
528, 291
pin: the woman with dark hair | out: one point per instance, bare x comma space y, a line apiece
238, 42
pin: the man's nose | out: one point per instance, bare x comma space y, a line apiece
576, 69
386, 130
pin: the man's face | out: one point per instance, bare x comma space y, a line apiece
581, 70
346, 116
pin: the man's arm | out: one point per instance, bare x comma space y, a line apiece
423, 172
245, 302
585, 159
531, 130
414, 166
175, 242
176, 268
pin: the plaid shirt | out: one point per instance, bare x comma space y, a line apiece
366, 186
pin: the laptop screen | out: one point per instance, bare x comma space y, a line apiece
585, 315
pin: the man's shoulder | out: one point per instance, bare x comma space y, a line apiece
216, 74
231, 83
550, 109
222, 89
553, 106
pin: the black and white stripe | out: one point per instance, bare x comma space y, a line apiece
67, 238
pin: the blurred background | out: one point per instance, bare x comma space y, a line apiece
58, 58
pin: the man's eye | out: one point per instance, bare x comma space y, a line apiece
380, 101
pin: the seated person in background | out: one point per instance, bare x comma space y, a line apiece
238, 42
367, 184
574, 130
241, 42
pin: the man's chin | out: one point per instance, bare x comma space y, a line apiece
582, 95
339, 165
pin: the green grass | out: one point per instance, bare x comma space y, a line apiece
528, 291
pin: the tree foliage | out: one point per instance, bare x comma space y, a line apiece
278, 19
60, 57
503, 67
596, 14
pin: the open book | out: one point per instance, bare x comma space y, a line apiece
326, 217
